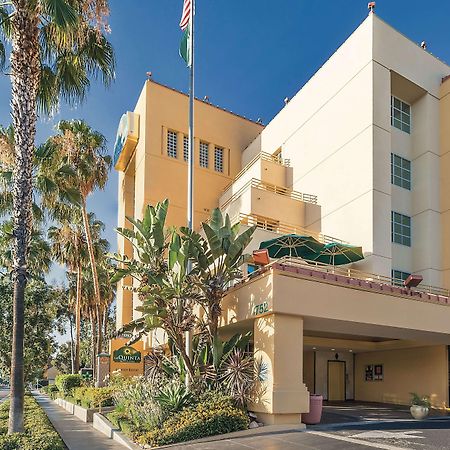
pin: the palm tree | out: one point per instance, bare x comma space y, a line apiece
56, 46
85, 151
69, 248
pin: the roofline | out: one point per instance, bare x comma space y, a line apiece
205, 102
410, 40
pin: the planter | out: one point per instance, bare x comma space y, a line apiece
315, 410
419, 412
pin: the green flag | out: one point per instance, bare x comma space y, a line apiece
185, 46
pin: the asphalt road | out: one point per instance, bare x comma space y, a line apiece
430, 434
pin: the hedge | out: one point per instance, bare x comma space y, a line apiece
39, 433
93, 397
211, 416
66, 383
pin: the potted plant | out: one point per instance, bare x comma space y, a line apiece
420, 406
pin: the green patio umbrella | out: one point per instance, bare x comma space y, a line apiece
291, 245
336, 254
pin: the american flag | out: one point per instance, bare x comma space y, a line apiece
186, 15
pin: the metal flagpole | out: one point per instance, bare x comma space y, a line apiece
190, 190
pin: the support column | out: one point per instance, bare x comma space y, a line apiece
282, 397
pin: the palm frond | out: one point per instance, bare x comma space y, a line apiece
60, 12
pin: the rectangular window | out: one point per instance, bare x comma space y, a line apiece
186, 148
204, 154
400, 115
400, 171
398, 277
218, 159
400, 229
171, 144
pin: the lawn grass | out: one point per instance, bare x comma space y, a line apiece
39, 433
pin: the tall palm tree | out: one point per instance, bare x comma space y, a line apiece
85, 151
56, 46
69, 248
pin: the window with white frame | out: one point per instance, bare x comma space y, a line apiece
398, 276
400, 229
218, 159
171, 144
186, 148
400, 171
400, 115
204, 154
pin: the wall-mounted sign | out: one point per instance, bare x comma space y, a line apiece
374, 372
127, 354
126, 140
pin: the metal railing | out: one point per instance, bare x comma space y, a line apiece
349, 272
260, 156
269, 224
262, 185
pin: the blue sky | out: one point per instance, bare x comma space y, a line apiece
250, 56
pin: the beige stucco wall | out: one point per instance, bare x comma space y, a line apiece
421, 370
445, 179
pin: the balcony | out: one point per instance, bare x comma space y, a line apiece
279, 227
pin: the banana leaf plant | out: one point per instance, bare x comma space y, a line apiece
162, 281
217, 259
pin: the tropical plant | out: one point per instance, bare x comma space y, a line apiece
174, 397
56, 45
166, 289
217, 260
84, 150
420, 400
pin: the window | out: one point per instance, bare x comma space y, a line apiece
400, 229
204, 150
186, 148
398, 276
218, 159
171, 144
400, 171
400, 115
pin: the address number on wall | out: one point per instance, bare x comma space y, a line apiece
261, 308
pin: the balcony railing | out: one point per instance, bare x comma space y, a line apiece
260, 156
356, 278
276, 226
262, 185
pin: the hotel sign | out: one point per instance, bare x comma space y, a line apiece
126, 140
127, 354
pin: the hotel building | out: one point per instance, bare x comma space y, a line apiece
361, 154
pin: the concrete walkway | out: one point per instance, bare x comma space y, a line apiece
76, 434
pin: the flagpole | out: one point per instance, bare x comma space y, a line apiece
190, 190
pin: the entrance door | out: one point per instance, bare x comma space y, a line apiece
336, 381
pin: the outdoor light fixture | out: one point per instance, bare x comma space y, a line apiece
413, 281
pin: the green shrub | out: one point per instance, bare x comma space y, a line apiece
39, 433
214, 414
93, 397
66, 383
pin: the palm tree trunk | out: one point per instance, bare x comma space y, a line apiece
25, 72
78, 320
72, 350
87, 230
93, 345
99, 329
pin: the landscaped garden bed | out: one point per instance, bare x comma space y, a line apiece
39, 433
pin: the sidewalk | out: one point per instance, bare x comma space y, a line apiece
76, 434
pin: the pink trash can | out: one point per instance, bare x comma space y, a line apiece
315, 410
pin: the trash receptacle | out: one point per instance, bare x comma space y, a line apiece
315, 410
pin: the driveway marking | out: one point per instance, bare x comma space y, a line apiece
380, 434
357, 441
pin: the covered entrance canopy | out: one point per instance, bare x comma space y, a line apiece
393, 340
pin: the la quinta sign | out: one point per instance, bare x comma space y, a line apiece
127, 354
